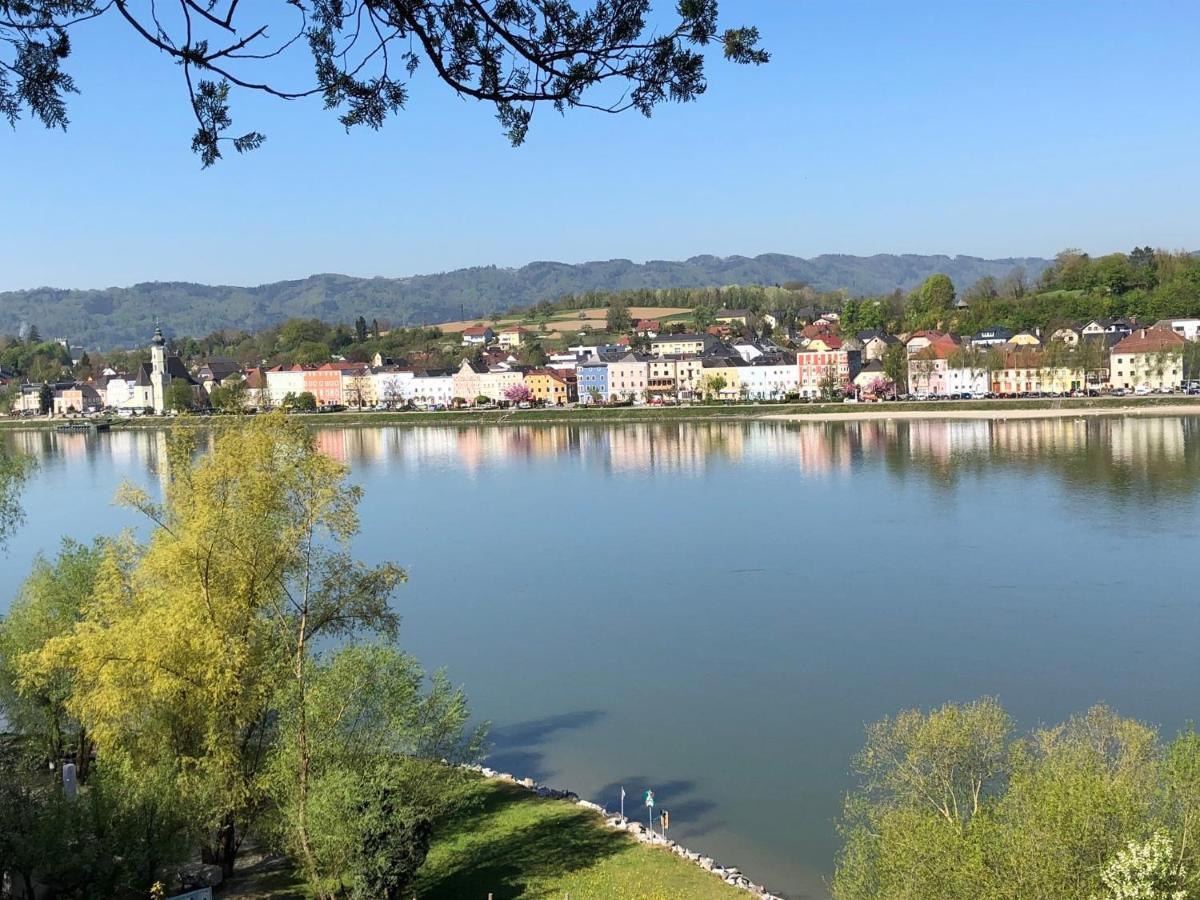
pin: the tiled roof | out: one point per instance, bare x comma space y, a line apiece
1150, 340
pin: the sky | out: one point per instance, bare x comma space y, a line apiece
987, 128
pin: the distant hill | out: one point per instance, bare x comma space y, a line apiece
124, 317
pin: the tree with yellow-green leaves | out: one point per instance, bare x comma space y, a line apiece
195, 651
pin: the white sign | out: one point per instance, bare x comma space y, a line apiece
649, 798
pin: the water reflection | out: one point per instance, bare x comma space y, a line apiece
1122, 455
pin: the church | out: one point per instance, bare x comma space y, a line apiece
154, 377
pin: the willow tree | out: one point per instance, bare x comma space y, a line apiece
193, 642
516, 55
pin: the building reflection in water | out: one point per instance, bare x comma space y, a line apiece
1115, 450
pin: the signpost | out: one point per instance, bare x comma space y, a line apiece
622, 801
649, 795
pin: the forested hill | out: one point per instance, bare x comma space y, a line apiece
124, 317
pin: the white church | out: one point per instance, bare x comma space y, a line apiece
148, 389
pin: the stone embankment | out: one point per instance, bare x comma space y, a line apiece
729, 874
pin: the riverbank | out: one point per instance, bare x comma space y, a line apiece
787, 412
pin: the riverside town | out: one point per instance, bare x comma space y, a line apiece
744, 357
599, 450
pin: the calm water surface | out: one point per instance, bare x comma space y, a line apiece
715, 610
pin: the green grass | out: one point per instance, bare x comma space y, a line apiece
510, 843
698, 412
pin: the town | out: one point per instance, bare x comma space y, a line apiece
743, 356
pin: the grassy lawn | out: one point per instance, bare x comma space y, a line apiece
512, 844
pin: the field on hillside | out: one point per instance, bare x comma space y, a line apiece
565, 321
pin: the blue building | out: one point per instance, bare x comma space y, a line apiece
593, 382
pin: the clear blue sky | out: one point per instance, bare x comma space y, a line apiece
985, 128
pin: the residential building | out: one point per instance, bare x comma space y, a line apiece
944, 369
513, 336
215, 370
733, 316
871, 380
548, 386
647, 328
919, 340
593, 381
627, 377
1107, 326
393, 386
674, 376
1067, 334
770, 377
478, 335
1025, 339
285, 381
991, 337
822, 360
496, 380
467, 380
1027, 370
725, 372
74, 398
875, 343
1149, 358
431, 388
1188, 329
681, 344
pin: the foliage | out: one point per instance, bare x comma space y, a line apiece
179, 395
305, 401
516, 55
229, 398
393, 843
48, 606
184, 641
953, 805
245, 322
617, 320
13, 471
109, 841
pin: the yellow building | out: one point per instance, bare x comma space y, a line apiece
680, 344
716, 370
512, 337
548, 387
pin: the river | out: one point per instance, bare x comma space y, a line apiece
714, 610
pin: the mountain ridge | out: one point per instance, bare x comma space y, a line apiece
123, 316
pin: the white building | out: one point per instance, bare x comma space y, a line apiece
769, 382
1188, 329
283, 381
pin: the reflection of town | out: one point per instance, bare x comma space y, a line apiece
1167, 447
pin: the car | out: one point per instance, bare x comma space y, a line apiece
524, 404
1142, 390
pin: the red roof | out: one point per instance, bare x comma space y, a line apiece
1150, 340
477, 330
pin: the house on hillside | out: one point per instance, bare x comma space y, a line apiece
875, 343
478, 336
990, 337
513, 336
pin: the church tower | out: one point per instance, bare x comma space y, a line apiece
159, 379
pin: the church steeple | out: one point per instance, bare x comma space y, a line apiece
159, 379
